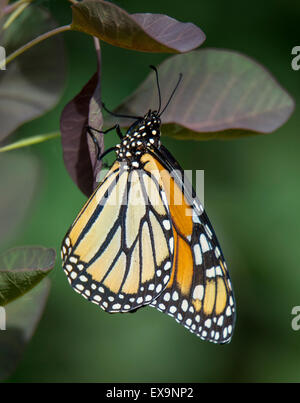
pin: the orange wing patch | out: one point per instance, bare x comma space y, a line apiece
198, 294
180, 210
184, 267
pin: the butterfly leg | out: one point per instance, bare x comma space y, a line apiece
115, 127
89, 130
106, 152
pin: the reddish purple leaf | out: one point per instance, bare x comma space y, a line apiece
95, 120
180, 36
142, 32
3, 4
33, 82
79, 151
223, 94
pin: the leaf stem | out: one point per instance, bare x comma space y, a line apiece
15, 14
98, 52
12, 7
34, 42
29, 141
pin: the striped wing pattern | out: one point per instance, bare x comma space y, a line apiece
119, 251
140, 240
199, 294
200, 299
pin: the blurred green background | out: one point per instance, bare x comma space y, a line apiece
252, 196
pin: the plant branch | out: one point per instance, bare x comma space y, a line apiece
29, 141
34, 42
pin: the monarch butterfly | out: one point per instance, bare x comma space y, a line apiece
143, 238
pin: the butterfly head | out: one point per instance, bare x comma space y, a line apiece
142, 135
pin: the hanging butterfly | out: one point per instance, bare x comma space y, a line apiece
143, 238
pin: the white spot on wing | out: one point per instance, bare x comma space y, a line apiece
198, 254
173, 309
167, 266
207, 323
184, 305
198, 292
210, 272
171, 244
166, 224
219, 271
195, 218
204, 243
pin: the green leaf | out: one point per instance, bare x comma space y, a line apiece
33, 83
223, 95
18, 182
22, 268
20, 318
142, 32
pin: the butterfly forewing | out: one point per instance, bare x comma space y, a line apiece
119, 251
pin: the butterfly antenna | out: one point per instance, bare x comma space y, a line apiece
120, 116
158, 88
171, 96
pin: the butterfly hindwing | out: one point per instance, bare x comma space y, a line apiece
199, 294
119, 251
